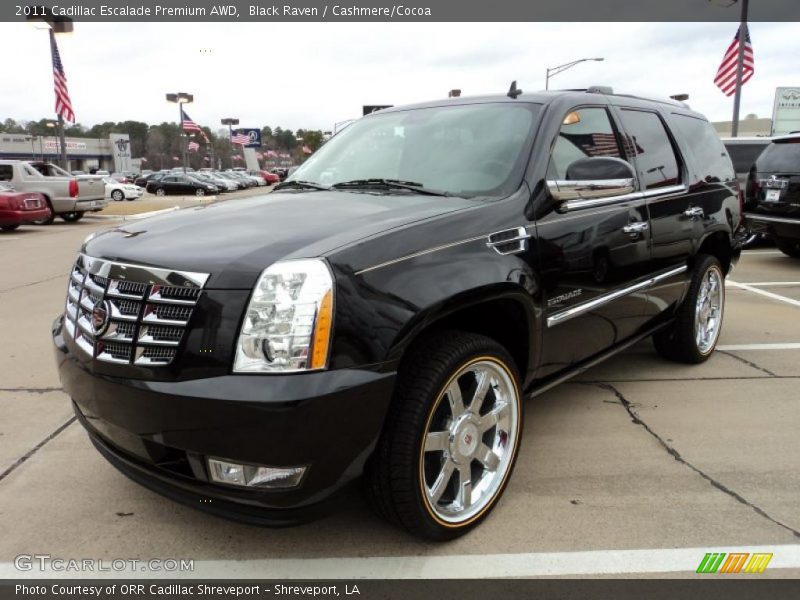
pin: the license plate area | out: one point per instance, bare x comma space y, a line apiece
772, 196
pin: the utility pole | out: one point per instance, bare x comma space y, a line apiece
737, 99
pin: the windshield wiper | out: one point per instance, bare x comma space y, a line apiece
389, 183
301, 184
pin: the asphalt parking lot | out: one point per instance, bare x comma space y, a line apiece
662, 460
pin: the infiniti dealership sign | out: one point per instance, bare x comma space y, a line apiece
786, 112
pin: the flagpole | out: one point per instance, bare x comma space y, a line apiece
62, 140
737, 99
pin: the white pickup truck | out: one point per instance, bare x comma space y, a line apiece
69, 196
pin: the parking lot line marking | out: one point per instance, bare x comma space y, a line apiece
765, 293
762, 252
771, 283
465, 566
775, 346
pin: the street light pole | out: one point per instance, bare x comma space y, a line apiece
180, 99
230, 122
553, 71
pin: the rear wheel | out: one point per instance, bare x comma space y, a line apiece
50, 218
72, 217
199, 192
789, 247
451, 438
161, 192
693, 335
9, 227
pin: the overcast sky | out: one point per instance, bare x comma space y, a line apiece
312, 75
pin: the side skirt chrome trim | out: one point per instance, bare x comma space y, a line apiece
770, 219
571, 313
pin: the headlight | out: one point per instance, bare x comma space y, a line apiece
287, 326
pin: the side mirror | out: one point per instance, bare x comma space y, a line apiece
595, 177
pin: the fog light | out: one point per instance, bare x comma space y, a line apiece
231, 473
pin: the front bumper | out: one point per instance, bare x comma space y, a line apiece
160, 433
773, 226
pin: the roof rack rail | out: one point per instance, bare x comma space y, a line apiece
600, 89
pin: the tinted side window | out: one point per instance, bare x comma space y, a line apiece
648, 141
744, 155
713, 161
6, 172
585, 132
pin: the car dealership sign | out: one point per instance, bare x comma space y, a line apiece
786, 111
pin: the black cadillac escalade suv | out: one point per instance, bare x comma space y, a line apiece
772, 200
386, 310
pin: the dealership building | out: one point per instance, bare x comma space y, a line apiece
112, 153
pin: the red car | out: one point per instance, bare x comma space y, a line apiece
17, 208
270, 178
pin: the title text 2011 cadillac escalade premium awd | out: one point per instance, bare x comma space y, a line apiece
387, 309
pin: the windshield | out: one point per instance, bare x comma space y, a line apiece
780, 156
467, 150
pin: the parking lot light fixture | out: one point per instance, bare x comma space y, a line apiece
181, 98
553, 71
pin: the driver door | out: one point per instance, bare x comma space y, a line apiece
594, 252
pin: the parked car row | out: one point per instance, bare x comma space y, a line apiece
65, 195
205, 181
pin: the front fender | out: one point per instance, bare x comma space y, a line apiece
381, 311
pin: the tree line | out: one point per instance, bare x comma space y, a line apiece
158, 144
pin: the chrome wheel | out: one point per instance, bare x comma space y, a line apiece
469, 441
708, 310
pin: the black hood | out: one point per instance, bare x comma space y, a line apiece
236, 240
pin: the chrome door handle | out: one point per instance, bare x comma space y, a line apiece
634, 229
693, 211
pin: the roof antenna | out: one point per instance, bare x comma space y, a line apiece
513, 92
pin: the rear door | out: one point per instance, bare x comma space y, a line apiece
677, 213
594, 253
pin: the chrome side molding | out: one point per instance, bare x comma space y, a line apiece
579, 204
571, 313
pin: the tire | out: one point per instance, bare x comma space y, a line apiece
72, 217
200, 192
117, 196
161, 192
9, 227
402, 475
47, 220
789, 247
681, 341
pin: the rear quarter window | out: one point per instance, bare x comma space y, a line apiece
6, 172
711, 158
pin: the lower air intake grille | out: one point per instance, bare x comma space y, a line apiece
129, 314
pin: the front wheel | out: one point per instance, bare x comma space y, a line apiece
199, 192
161, 192
72, 217
789, 247
117, 195
451, 438
9, 227
693, 335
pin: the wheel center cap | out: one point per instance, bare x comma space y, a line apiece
464, 439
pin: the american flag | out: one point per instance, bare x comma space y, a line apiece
63, 103
240, 138
193, 147
726, 74
187, 124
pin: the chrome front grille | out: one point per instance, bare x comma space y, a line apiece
129, 314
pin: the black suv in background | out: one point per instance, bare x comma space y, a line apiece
387, 309
773, 194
